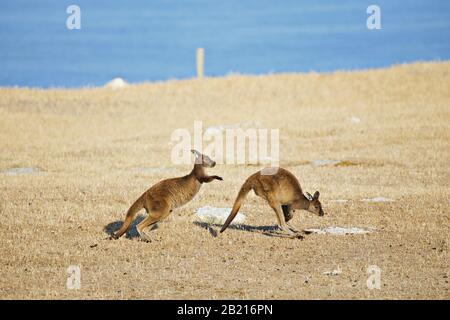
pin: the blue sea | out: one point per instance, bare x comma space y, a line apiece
152, 40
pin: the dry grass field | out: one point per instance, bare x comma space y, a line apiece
97, 149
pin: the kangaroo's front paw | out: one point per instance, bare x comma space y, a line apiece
218, 178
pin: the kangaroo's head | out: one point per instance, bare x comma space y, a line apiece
203, 159
314, 204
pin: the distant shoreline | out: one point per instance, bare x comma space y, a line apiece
230, 74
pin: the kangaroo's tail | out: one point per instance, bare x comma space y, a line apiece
131, 213
246, 187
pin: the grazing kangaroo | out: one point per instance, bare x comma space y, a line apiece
160, 200
283, 193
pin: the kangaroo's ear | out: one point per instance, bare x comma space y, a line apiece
316, 195
310, 197
196, 153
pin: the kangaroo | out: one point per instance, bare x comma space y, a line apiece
162, 198
283, 193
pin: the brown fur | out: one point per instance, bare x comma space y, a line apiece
283, 193
165, 196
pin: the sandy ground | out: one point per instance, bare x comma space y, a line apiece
96, 150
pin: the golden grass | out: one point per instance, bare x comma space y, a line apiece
89, 144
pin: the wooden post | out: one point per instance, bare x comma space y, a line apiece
200, 60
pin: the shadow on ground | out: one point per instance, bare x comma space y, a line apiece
130, 234
270, 231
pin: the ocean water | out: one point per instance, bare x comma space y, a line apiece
152, 40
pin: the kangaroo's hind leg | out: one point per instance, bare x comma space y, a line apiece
280, 217
147, 222
155, 214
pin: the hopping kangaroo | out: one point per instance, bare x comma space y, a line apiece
283, 193
166, 195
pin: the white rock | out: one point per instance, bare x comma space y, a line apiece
214, 215
340, 230
339, 201
116, 83
354, 119
333, 272
22, 170
324, 162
